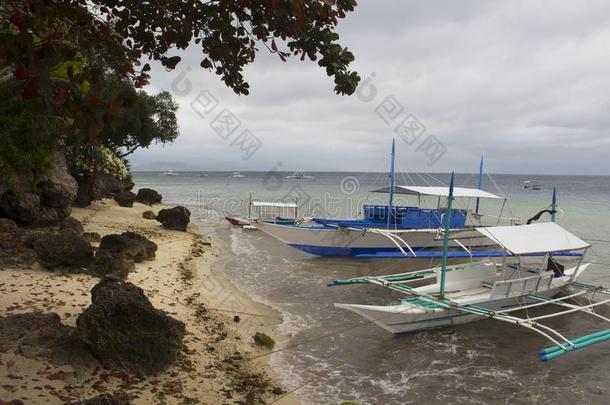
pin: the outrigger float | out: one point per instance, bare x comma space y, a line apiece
453, 295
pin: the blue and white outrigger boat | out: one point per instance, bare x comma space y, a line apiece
389, 231
453, 295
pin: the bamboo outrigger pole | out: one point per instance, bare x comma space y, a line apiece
479, 184
447, 225
391, 203
554, 205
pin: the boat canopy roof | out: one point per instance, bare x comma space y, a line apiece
544, 237
439, 191
274, 204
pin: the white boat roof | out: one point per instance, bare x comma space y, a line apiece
274, 204
535, 238
439, 191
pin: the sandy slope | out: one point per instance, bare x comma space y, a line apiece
180, 282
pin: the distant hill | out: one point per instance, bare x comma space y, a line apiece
162, 166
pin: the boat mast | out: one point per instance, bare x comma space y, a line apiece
553, 205
446, 236
391, 203
479, 184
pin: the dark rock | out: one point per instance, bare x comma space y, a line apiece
131, 245
30, 236
26, 209
112, 265
9, 234
149, 215
92, 236
148, 196
176, 218
57, 187
125, 331
236, 319
42, 201
37, 334
116, 398
93, 187
125, 198
65, 249
23, 208
87, 189
72, 224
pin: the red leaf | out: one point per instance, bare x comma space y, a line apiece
29, 91
22, 73
17, 19
59, 98
114, 106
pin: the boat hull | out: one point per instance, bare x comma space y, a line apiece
337, 241
406, 318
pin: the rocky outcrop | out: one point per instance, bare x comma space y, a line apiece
37, 334
131, 245
9, 234
176, 218
57, 187
45, 203
125, 198
148, 196
124, 330
24, 208
111, 265
72, 224
95, 187
66, 249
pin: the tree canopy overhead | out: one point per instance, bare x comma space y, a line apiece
38, 34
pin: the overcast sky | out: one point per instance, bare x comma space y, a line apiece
524, 83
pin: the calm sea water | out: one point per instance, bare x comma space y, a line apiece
336, 356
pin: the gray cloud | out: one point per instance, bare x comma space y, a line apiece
524, 83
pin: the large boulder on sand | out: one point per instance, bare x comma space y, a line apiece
37, 334
124, 330
66, 249
112, 265
125, 198
72, 224
130, 244
176, 218
148, 196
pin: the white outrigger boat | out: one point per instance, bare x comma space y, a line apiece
389, 231
464, 293
273, 212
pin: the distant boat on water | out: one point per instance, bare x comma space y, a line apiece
169, 172
300, 175
531, 185
237, 175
